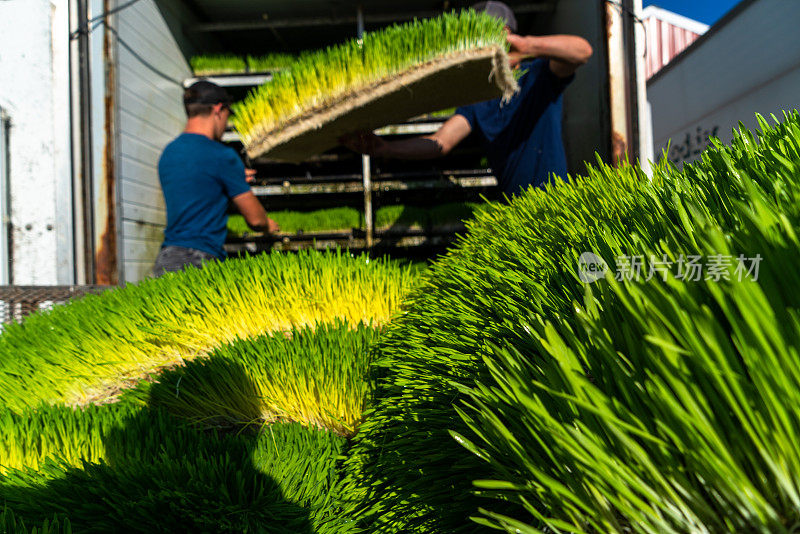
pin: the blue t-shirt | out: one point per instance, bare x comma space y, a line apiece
198, 177
523, 136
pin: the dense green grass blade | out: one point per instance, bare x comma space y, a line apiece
247, 439
269, 62
160, 474
657, 406
217, 64
315, 377
90, 349
210, 65
344, 218
294, 222
317, 78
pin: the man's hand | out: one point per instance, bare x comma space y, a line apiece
250, 175
364, 143
272, 226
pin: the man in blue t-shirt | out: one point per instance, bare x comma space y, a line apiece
199, 175
522, 137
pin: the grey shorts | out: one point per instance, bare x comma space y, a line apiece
172, 259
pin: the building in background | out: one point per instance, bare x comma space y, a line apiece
747, 63
667, 34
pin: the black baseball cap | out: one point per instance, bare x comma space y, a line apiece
499, 10
205, 92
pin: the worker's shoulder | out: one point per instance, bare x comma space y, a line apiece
188, 143
200, 145
199, 150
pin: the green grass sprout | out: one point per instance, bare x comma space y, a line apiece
317, 78
90, 349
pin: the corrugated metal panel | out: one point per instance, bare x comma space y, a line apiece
150, 116
665, 40
726, 79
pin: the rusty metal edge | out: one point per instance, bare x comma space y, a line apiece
619, 101
106, 264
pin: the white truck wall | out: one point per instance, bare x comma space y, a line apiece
749, 65
150, 116
34, 93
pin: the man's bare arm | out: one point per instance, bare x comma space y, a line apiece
452, 132
565, 52
254, 213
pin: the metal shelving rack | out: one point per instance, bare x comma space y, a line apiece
337, 178
341, 178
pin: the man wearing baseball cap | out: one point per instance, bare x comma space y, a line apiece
522, 137
199, 176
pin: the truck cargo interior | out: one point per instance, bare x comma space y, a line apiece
128, 69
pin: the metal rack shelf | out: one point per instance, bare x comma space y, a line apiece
380, 181
450, 182
410, 128
353, 239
